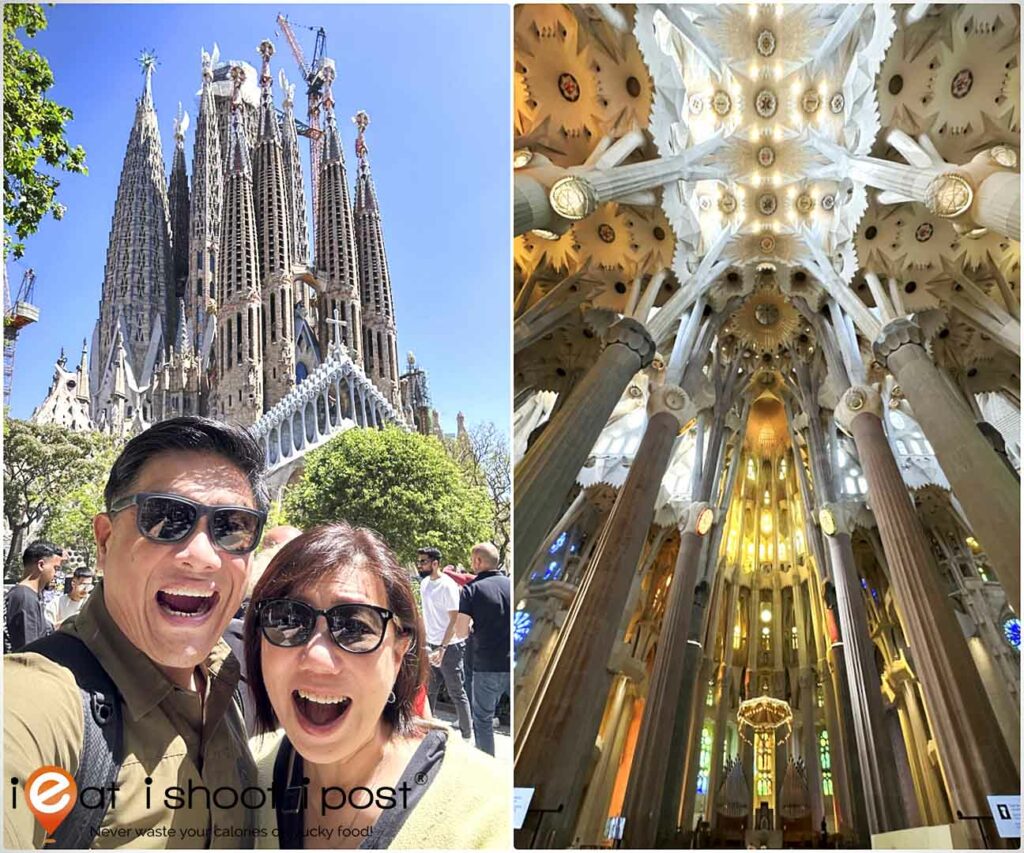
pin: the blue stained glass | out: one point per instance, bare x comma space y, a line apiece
558, 543
702, 783
874, 595
1011, 628
521, 625
553, 570
863, 583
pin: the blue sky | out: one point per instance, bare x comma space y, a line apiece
435, 82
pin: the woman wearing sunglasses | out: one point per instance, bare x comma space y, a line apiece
334, 649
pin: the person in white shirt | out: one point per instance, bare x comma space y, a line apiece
439, 595
65, 606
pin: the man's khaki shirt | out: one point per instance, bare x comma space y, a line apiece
166, 740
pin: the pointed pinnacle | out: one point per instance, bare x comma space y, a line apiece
361, 120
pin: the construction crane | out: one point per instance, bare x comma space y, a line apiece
18, 313
313, 75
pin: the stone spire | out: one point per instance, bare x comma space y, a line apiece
238, 348
295, 187
274, 228
138, 271
335, 236
268, 180
179, 207
183, 339
83, 375
379, 332
205, 212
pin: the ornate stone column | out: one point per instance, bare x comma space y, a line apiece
973, 754
561, 724
547, 472
874, 752
987, 491
652, 799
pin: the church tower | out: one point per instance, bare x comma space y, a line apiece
138, 271
179, 207
379, 334
205, 212
295, 187
239, 386
335, 242
273, 227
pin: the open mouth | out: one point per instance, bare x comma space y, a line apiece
187, 603
320, 710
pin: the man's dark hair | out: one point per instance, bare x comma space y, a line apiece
39, 550
430, 553
83, 572
194, 435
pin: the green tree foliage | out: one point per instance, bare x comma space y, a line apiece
33, 131
69, 520
483, 455
403, 485
43, 465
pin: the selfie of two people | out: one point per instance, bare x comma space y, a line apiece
137, 698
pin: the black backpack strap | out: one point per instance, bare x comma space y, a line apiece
289, 795
102, 740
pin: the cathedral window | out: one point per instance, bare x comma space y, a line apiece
521, 625
763, 763
273, 317
229, 342
825, 757
704, 762
1011, 630
238, 337
199, 259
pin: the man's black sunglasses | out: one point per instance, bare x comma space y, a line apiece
357, 628
171, 518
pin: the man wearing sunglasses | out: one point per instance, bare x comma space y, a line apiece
186, 503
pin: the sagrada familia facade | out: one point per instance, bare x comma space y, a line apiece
216, 298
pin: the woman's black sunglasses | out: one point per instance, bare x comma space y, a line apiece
357, 628
171, 518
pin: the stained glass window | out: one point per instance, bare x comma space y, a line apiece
553, 571
521, 625
763, 745
558, 543
825, 754
706, 737
1011, 630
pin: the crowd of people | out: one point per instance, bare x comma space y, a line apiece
211, 663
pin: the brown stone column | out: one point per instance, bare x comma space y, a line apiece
882, 805
556, 740
658, 751
974, 756
549, 469
987, 491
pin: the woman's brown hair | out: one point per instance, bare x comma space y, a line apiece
313, 557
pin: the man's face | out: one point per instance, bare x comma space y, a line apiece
143, 579
48, 568
80, 588
425, 566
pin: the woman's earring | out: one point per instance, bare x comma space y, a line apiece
392, 698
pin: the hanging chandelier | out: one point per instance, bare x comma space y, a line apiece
763, 714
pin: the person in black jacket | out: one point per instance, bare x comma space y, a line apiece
25, 617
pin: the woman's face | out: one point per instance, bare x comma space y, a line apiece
328, 700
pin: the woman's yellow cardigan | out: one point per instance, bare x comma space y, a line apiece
467, 806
